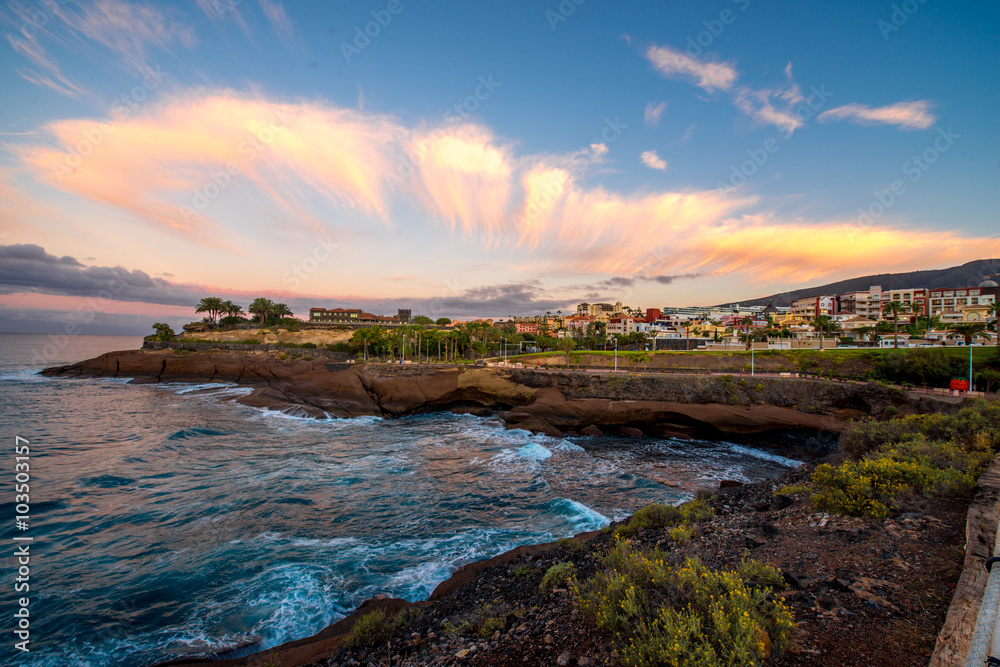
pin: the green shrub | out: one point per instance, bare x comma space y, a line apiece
682, 534
375, 628
656, 516
686, 614
792, 490
163, 331
872, 486
557, 576
370, 630
890, 411
522, 571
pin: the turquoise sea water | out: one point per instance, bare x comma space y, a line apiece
169, 521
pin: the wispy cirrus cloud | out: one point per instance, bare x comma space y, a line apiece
112, 31
129, 30
710, 76
652, 160
768, 106
652, 114
907, 115
326, 163
278, 18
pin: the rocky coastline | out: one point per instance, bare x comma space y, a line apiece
554, 402
846, 578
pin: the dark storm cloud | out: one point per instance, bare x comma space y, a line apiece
28, 268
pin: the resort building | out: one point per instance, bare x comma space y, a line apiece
811, 307
915, 298
867, 304
970, 304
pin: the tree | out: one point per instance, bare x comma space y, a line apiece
211, 305
824, 325
163, 331
362, 337
232, 309
567, 345
687, 334
442, 321
281, 310
969, 330
994, 312
865, 332
893, 310
422, 319
262, 308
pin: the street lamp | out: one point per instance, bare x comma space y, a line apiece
970, 368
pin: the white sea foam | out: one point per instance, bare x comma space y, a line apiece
767, 456
535, 451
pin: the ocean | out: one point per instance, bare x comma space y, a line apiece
169, 521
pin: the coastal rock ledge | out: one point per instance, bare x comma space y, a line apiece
550, 402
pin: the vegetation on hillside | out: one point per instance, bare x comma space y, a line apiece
919, 455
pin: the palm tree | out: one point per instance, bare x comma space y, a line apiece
281, 310
566, 344
994, 312
687, 334
211, 305
232, 309
969, 330
823, 324
262, 308
747, 322
894, 309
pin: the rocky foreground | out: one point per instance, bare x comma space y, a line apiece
551, 402
861, 593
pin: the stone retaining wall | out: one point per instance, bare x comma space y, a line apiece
955, 638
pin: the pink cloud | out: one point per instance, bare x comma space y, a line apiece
907, 115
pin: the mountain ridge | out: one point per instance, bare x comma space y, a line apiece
969, 274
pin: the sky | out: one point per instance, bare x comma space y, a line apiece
483, 159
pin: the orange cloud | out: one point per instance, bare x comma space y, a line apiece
466, 177
168, 168
254, 163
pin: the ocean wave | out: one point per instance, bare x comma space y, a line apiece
580, 516
764, 455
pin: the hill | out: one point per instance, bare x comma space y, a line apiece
969, 274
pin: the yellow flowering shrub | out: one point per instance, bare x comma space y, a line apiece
686, 614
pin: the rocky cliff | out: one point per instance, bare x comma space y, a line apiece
545, 401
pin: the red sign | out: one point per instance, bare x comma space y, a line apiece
960, 385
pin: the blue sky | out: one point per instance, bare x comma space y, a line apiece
473, 159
